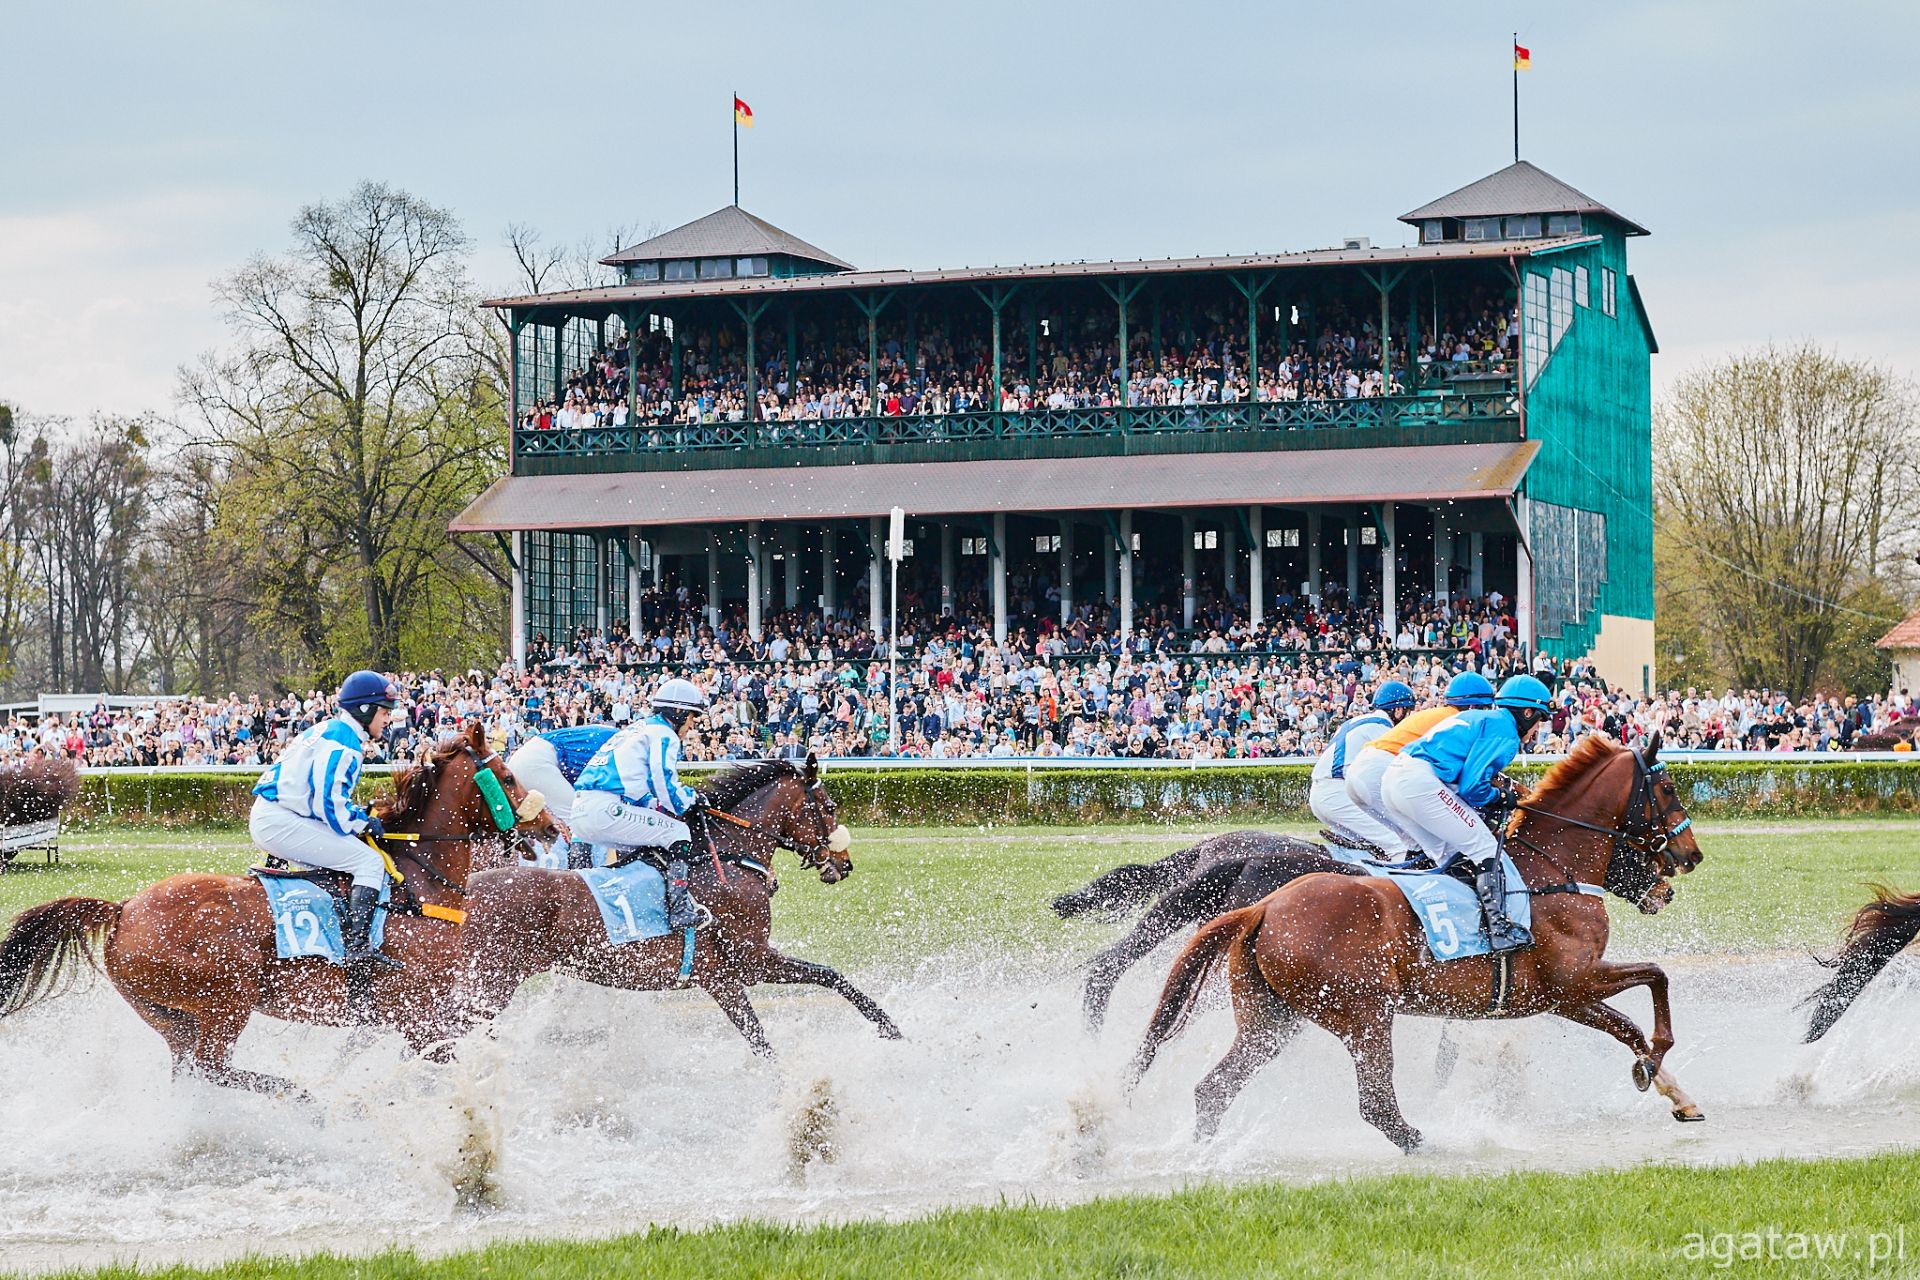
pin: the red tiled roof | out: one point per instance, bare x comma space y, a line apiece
1904, 636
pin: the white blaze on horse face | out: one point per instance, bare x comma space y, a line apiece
841, 840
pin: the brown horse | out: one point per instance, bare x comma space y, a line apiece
1880, 931
527, 920
1349, 953
195, 954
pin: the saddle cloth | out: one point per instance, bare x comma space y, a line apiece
1449, 910
632, 901
306, 918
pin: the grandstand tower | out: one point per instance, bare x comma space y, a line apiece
1524, 468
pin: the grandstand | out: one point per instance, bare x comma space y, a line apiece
733, 421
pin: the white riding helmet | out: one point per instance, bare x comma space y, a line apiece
679, 694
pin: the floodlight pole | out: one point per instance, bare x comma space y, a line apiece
896, 546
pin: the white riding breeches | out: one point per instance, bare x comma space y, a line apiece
536, 766
312, 843
1366, 769
1332, 805
601, 817
1442, 822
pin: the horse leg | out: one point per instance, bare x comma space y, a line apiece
1368, 1035
1647, 1070
1265, 1025
212, 1055
1611, 979
788, 970
731, 995
176, 1026
1105, 969
1446, 1056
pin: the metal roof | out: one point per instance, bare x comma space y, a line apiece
724, 233
602, 500
669, 290
1521, 187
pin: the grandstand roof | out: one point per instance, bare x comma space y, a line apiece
1904, 636
724, 233
1521, 187
664, 290
1409, 473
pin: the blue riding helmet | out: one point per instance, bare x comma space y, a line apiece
1469, 689
1393, 695
365, 689
1525, 693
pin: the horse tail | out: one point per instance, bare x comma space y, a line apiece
1880, 931
42, 954
1188, 977
1127, 886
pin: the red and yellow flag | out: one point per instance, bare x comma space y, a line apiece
742, 114
1522, 57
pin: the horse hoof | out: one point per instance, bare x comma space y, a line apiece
891, 1032
1688, 1114
1410, 1143
1643, 1074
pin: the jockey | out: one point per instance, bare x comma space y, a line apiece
1367, 768
1438, 783
551, 763
304, 811
630, 795
1328, 799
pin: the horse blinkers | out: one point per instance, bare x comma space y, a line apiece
1645, 880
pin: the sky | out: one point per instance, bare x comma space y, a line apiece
145, 150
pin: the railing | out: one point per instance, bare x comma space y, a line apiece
1248, 418
1291, 657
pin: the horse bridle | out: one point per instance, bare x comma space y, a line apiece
812, 858
1643, 829
420, 859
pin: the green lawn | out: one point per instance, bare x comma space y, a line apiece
1862, 1215
918, 892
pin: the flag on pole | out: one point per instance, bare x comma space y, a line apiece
742, 114
1522, 60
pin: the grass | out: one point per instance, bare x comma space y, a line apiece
920, 892
1619, 1224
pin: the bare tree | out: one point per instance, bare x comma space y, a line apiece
1776, 476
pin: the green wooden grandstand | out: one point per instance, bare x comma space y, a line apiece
1524, 469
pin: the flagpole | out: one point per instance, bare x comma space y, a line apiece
1513, 56
733, 110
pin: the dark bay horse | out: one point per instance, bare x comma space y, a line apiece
527, 920
195, 957
1348, 953
1221, 873
1880, 931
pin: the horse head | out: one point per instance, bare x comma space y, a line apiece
462, 793
816, 834
793, 810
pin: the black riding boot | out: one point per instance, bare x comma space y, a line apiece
358, 931
1490, 882
682, 911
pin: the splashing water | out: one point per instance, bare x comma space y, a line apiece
592, 1111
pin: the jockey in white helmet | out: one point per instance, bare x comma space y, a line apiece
630, 795
304, 811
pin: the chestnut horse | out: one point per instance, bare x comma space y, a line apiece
527, 920
1349, 953
195, 954
1880, 931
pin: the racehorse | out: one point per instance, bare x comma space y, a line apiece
1221, 873
1348, 954
527, 920
195, 954
1880, 931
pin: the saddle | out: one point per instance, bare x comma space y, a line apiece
338, 884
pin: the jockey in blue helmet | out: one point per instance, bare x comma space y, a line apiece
1328, 796
304, 811
1366, 770
630, 795
1438, 785
1469, 689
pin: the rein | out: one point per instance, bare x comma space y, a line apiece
1645, 832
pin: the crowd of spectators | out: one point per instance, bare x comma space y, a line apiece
949, 370
1224, 689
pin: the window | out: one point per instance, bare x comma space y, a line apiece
1433, 231
750, 266
973, 546
1580, 287
681, 270
1523, 227
906, 548
1206, 539
1607, 286
1483, 228
1046, 542
643, 271
1283, 537
1559, 305
716, 268
1563, 224
1369, 536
